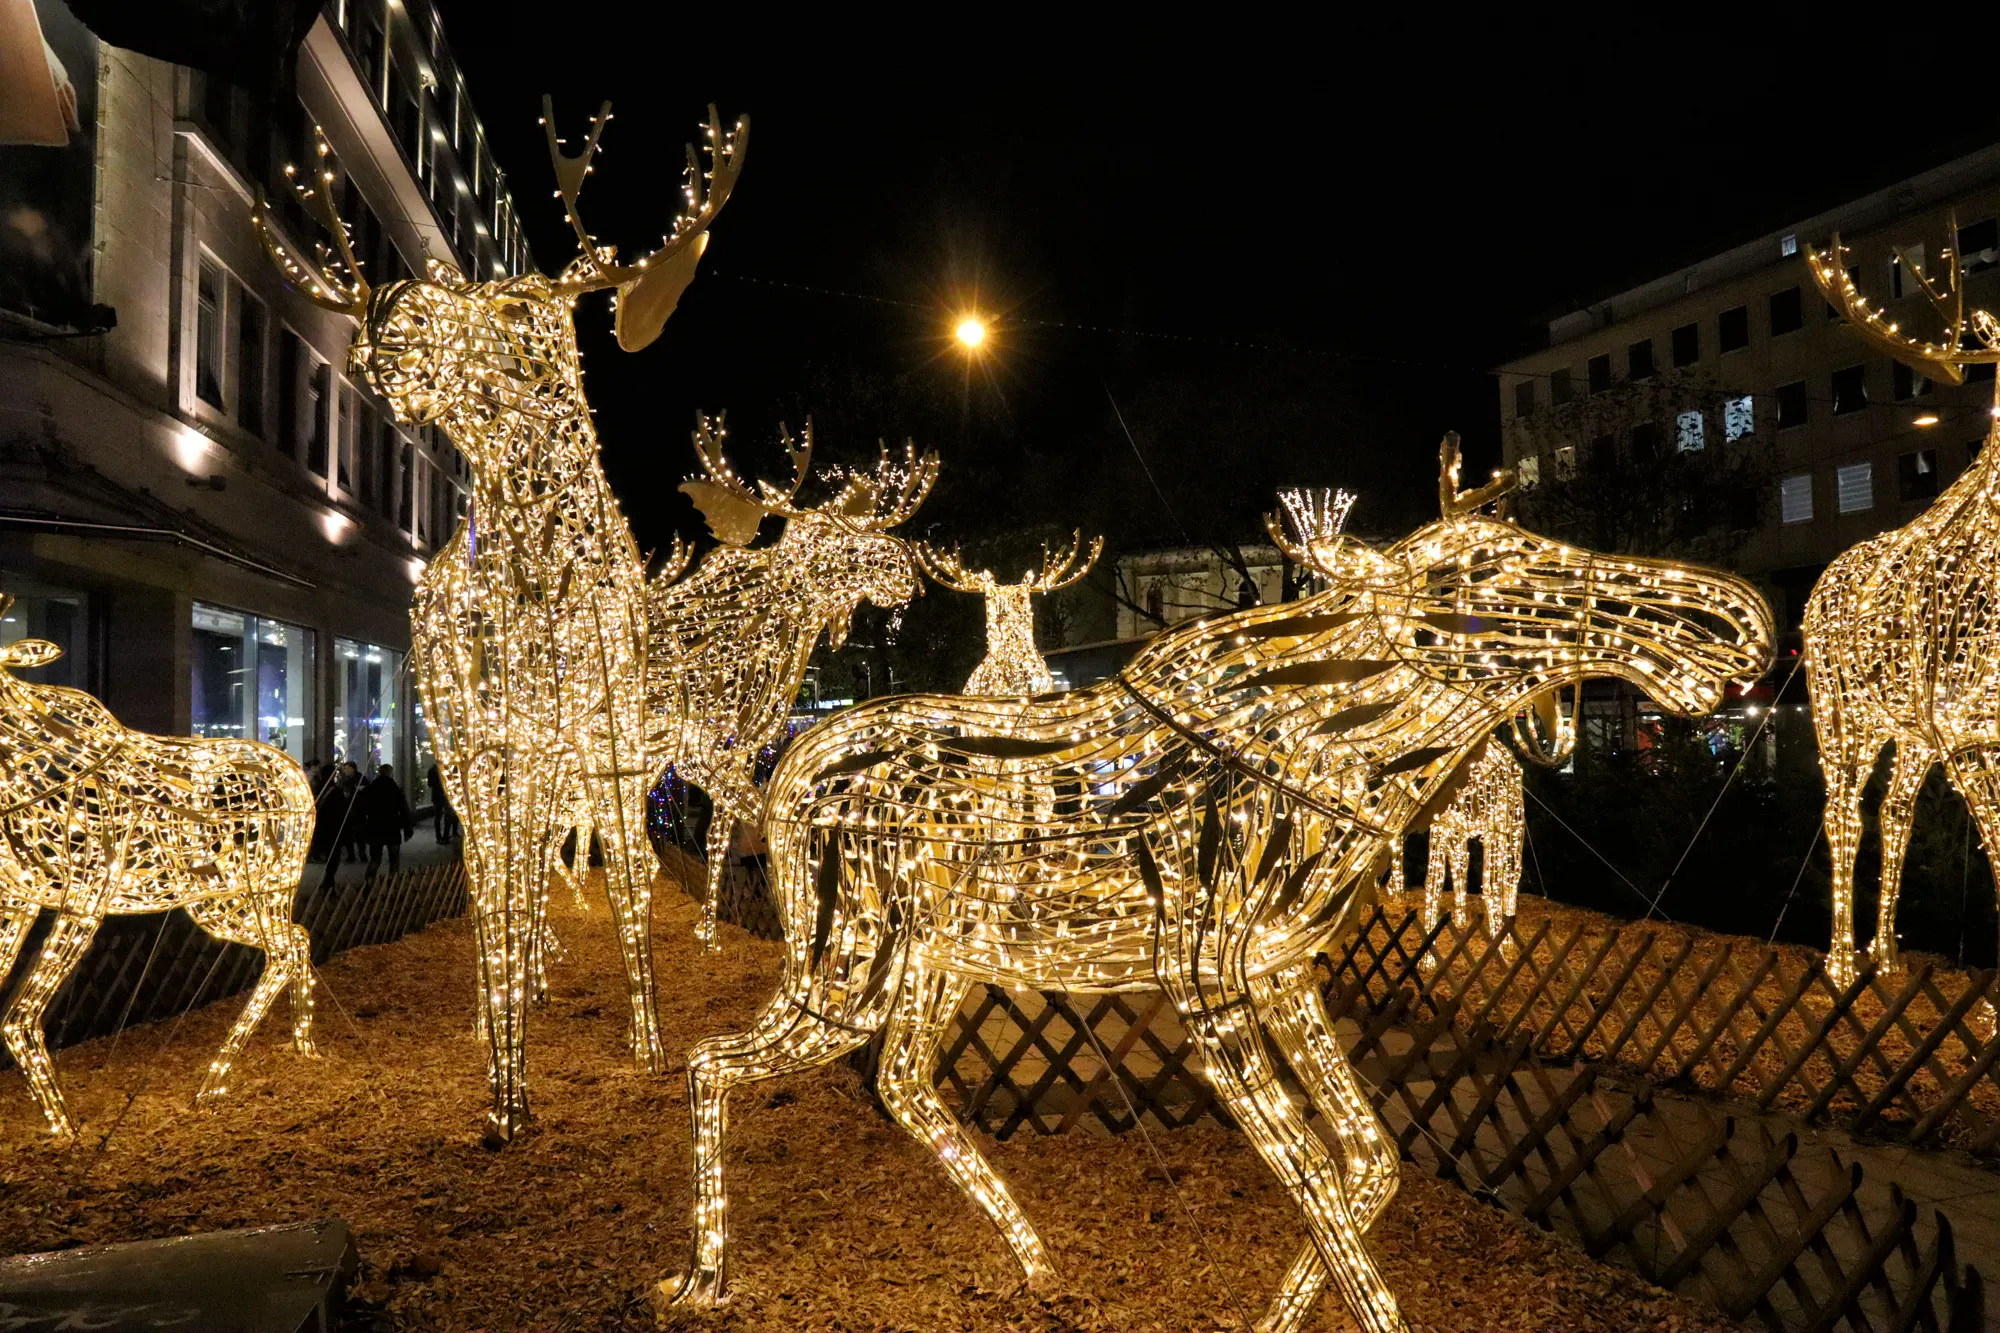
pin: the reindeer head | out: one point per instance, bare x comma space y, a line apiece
840, 552
463, 353
1485, 604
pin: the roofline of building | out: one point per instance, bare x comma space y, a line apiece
1881, 206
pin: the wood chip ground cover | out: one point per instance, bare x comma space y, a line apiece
841, 1222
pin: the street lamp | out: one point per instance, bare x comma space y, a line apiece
971, 333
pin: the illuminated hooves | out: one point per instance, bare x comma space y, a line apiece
698, 1291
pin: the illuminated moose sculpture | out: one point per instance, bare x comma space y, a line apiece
729, 643
97, 821
1900, 631
1012, 665
529, 626
1200, 822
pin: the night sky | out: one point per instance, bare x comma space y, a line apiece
1278, 271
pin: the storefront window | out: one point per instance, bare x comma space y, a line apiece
253, 678
366, 720
422, 756
40, 612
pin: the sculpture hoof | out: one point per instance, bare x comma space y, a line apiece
699, 1291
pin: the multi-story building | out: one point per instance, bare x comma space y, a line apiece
218, 522
1740, 353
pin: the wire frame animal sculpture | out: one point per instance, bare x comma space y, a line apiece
97, 820
1012, 664
729, 644
1900, 631
1201, 822
1490, 811
529, 627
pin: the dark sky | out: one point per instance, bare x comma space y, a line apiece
1285, 257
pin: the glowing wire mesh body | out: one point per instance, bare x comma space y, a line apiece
730, 643
98, 821
1488, 809
1012, 664
528, 629
1202, 823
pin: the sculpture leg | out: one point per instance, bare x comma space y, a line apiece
1845, 774
1237, 1063
22, 1027
1899, 807
507, 854
917, 1026
784, 1039
284, 945
618, 809
1461, 880
721, 828
1436, 870
1296, 1015
1501, 877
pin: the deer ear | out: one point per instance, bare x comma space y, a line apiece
645, 302
29, 653
731, 518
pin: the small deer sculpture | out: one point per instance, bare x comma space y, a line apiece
1200, 822
729, 643
1489, 810
529, 627
97, 820
1012, 664
1901, 630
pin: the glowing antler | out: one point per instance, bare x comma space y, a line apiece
310, 278
1946, 359
1063, 568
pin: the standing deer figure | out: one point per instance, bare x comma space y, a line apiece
97, 821
1012, 664
1488, 810
1900, 631
1200, 822
529, 627
730, 643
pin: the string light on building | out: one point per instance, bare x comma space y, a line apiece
1012, 664
1898, 631
1202, 822
528, 629
730, 643
97, 820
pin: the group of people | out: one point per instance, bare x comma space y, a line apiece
355, 813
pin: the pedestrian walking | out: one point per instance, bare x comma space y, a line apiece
383, 813
337, 810
444, 820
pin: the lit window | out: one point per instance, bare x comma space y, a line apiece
1739, 418
1788, 246
1795, 498
1688, 432
1855, 487
1566, 462
1528, 469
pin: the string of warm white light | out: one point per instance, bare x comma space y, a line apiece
730, 643
528, 629
1012, 664
1900, 630
97, 821
1200, 822
1488, 810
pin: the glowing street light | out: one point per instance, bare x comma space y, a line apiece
971, 333
1927, 419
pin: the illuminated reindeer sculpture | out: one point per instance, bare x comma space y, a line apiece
730, 643
97, 821
529, 627
1012, 665
1200, 822
1488, 809
1901, 630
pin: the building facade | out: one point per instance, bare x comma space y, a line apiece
219, 524
1740, 353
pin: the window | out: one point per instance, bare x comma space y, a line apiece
1566, 462
388, 449
1788, 246
1854, 487
1739, 418
1977, 245
291, 371
1979, 372
208, 336
1972, 448
1795, 498
421, 480
364, 704
249, 362
1791, 404
1688, 432
1639, 360
253, 678
1732, 329
1850, 390
1906, 383
1560, 391
346, 465
1647, 440
1917, 475
1524, 398
1599, 372
1787, 314
318, 412
61, 616
1687, 344
1528, 470
405, 486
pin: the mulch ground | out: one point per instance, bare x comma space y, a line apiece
840, 1221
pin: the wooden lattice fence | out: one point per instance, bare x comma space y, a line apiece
141, 968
